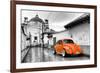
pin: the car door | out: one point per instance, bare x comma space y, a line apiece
59, 47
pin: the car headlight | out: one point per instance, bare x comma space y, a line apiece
77, 52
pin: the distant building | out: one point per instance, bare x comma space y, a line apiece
35, 27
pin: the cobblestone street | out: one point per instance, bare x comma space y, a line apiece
36, 54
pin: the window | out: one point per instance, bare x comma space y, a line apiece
68, 41
35, 38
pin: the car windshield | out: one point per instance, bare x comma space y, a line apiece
68, 41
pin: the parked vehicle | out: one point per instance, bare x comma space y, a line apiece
67, 47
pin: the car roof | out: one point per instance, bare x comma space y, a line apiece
66, 39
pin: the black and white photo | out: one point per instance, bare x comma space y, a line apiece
52, 36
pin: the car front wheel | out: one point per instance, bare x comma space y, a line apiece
54, 52
63, 53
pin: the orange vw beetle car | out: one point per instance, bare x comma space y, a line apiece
67, 47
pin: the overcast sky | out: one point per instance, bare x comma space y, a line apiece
57, 20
